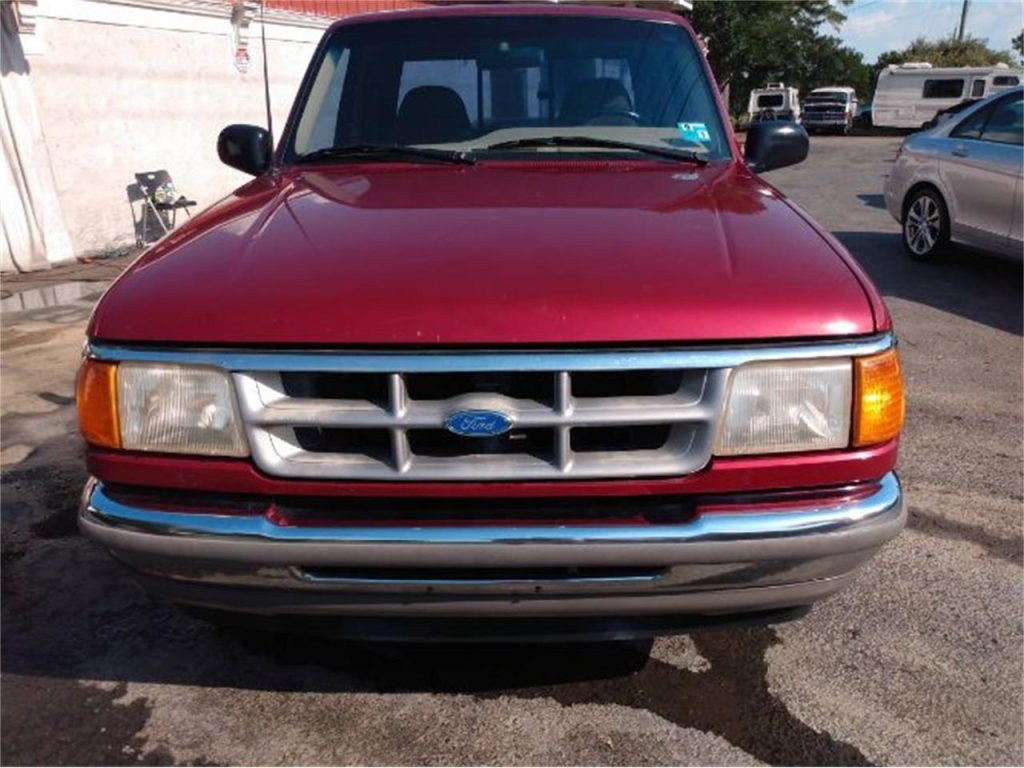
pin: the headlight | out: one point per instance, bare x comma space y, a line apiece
165, 408
787, 406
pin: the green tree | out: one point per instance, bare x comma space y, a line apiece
751, 43
826, 61
1018, 44
947, 52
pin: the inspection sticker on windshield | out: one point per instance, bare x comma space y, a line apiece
694, 132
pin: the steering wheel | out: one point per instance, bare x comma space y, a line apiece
623, 114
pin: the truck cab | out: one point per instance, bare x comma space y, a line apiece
830, 109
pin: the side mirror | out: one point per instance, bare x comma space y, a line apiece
245, 147
775, 144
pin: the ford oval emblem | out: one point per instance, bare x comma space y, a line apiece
478, 423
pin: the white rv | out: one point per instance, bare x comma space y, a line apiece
774, 102
831, 109
909, 95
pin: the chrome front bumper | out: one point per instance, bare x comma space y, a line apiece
749, 558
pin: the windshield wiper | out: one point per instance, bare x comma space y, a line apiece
384, 153
687, 155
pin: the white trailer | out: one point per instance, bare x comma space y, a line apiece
774, 102
909, 95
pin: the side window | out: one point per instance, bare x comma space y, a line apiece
512, 94
1005, 81
458, 75
970, 127
977, 89
1006, 123
317, 130
950, 88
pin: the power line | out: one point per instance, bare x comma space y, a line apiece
932, 17
862, 6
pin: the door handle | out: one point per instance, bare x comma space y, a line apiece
960, 151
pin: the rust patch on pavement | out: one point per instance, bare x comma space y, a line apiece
55, 721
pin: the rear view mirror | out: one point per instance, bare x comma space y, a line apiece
246, 148
507, 58
775, 144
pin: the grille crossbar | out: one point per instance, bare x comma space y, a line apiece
662, 423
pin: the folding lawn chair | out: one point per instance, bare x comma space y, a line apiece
146, 220
162, 199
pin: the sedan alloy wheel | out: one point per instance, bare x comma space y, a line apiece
925, 226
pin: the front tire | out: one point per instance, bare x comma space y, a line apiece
926, 225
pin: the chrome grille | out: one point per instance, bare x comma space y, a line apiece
824, 113
390, 425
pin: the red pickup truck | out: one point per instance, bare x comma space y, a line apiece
505, 332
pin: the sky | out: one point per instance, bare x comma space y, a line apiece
875, 26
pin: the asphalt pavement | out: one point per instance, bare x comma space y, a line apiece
919, 663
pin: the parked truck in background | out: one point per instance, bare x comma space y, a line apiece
830, 109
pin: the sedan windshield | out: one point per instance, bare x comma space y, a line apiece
493, 85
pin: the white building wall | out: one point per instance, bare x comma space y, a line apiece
125, 86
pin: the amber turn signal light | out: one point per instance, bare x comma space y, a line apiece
96, 397
878, 398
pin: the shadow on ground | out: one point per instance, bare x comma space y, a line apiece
69, 613
873, 200
972, 285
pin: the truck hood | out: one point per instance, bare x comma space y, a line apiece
560, 252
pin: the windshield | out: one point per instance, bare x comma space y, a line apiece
770, 100
467, 83
839, 96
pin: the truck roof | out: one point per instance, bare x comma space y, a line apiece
520, 9
923, 68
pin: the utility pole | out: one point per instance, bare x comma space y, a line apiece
963, 20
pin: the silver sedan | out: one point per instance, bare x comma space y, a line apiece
961, 181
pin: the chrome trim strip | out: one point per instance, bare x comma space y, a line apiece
474, 583
748, 527
596, 601
490, 360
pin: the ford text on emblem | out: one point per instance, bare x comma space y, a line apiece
478, 423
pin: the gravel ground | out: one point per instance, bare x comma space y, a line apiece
919, 663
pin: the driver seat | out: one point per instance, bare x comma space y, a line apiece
432, 114
587, 99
